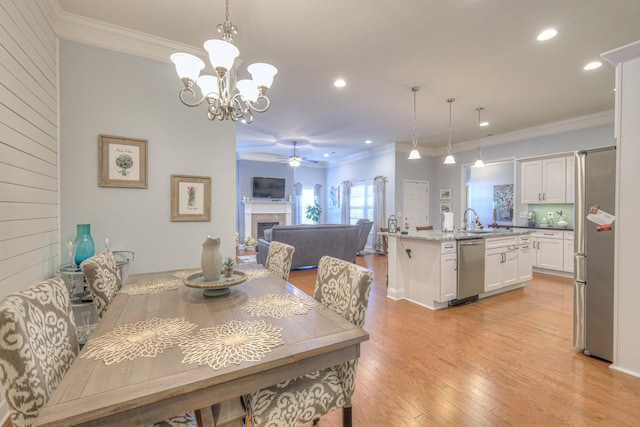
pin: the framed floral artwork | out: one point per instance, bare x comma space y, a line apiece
190, 198
445, 194
445, 207
122, 162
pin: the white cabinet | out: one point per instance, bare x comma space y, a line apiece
500, 263
549, 250
448, 277
568, 251
570, 193
525, 258
448, 271
543, 181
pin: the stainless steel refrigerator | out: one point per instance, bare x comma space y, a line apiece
594, 252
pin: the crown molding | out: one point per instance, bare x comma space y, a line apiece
576, 123
89, 31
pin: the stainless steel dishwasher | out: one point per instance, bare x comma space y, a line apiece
470, 270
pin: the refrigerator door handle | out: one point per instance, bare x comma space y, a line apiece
578, 315
580, 267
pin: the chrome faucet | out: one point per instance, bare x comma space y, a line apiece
473, 225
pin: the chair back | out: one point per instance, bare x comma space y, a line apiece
38, 344
344, 288
103, 278
426, 227
279, 259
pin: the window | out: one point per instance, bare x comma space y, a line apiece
361, 201
308, 199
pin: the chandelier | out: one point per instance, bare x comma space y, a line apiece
414, 154
226, 98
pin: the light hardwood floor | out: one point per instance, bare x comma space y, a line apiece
505, 360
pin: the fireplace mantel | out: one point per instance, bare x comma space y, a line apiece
254, 209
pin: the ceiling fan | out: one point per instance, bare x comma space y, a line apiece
295, 160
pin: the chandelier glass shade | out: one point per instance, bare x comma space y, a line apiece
226, 98
414, 154
449, 160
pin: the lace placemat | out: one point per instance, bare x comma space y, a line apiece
279, 305
146, 338
151, 287
233, 342
256, 273
183, 274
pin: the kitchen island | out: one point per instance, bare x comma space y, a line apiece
422, 265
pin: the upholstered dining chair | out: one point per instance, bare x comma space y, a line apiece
424, 228
343, 287
103, 278
279, 259
38, 344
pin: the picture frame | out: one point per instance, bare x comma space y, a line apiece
334, 197
445, 207
445, 194
122, 162
190, 198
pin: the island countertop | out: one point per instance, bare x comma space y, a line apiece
437, 235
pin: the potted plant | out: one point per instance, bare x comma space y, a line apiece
228, 264
313, 212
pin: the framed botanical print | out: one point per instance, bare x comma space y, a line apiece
190, 198
445, 194
122, 162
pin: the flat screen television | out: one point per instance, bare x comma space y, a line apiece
272, 188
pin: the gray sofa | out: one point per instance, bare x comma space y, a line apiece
312, 242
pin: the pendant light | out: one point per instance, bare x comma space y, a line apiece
479, 163
414, 154
449, 160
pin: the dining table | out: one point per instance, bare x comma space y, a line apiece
164, 348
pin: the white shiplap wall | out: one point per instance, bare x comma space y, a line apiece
28, 147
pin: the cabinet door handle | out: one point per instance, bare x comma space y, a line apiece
544, 196
539, 196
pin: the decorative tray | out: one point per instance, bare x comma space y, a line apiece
197, 281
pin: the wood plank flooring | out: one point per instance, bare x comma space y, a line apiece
507, 360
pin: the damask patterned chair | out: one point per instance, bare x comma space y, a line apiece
344, 288
103, 278
279, 259
38, 344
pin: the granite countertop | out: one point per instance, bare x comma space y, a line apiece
437, 235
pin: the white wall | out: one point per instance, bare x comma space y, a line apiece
28, 148
107, 92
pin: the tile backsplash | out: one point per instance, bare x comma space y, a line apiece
543, 210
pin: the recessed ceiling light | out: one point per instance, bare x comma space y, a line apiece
368, 141
547, 34
592, 65
326, 154
484, 123
340, 83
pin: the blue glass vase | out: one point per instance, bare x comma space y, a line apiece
86, 248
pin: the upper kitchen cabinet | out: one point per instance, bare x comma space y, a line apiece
571, 180
544, 181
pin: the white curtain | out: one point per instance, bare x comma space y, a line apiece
379, 191
297, 206
346, 202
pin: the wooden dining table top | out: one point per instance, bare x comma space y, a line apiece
144, 389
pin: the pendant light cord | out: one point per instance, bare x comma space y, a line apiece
415, 138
